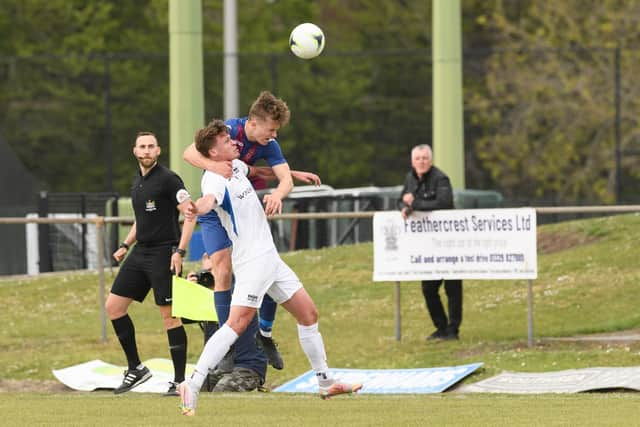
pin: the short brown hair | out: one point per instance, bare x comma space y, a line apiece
267, 106
145, 133
206, 137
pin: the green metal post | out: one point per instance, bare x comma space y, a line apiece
448, 121
186, 113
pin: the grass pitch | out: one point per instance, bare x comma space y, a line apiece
588, 276
274, 409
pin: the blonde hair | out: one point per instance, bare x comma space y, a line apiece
267, 106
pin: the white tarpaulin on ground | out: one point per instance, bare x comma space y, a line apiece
455, 244
99, 375
569, 381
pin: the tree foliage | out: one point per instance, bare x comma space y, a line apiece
547, 102
52, 100
539, 88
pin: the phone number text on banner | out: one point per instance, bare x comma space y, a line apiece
455, 244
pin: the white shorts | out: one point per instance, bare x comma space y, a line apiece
267, 274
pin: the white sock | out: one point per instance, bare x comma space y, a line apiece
213, 352
313, 347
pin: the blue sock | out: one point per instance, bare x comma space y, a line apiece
267, 315
222, 301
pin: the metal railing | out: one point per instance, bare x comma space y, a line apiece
100, 223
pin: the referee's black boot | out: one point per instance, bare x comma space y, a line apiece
133, 378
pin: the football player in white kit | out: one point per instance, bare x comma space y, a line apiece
257, 266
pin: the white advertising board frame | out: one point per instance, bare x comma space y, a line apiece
455, 244
481, 244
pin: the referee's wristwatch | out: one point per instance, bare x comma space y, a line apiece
124, 245
182, 252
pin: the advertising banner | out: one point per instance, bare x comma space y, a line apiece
387, 381
455, 244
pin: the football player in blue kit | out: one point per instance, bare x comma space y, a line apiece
258, 270
256, 135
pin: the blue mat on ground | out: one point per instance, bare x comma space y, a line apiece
387, 381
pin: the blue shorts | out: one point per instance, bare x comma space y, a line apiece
214, 235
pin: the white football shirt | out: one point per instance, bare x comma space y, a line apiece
240, 212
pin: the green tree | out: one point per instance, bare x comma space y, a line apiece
357, 109
53, 96
547, 101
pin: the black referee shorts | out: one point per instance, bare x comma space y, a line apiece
145, 268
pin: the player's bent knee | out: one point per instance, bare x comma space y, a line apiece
222, 280
221, 269
308, 318
240, 322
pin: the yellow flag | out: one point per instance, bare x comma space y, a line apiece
192, 301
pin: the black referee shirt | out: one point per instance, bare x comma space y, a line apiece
155, 198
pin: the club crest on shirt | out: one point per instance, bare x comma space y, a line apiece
249, 155
150, 206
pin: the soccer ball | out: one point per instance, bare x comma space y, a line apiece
306, 41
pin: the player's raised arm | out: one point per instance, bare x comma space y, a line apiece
306, 177
266, 173
203, 205
273, 201
262, 172
192, 156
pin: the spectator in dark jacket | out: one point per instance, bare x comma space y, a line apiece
427, 188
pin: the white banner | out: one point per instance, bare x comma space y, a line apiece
99, 375
455, 244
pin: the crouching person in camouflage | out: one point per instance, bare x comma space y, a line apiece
245, 366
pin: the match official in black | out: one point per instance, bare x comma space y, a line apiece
427, 188
157, 195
